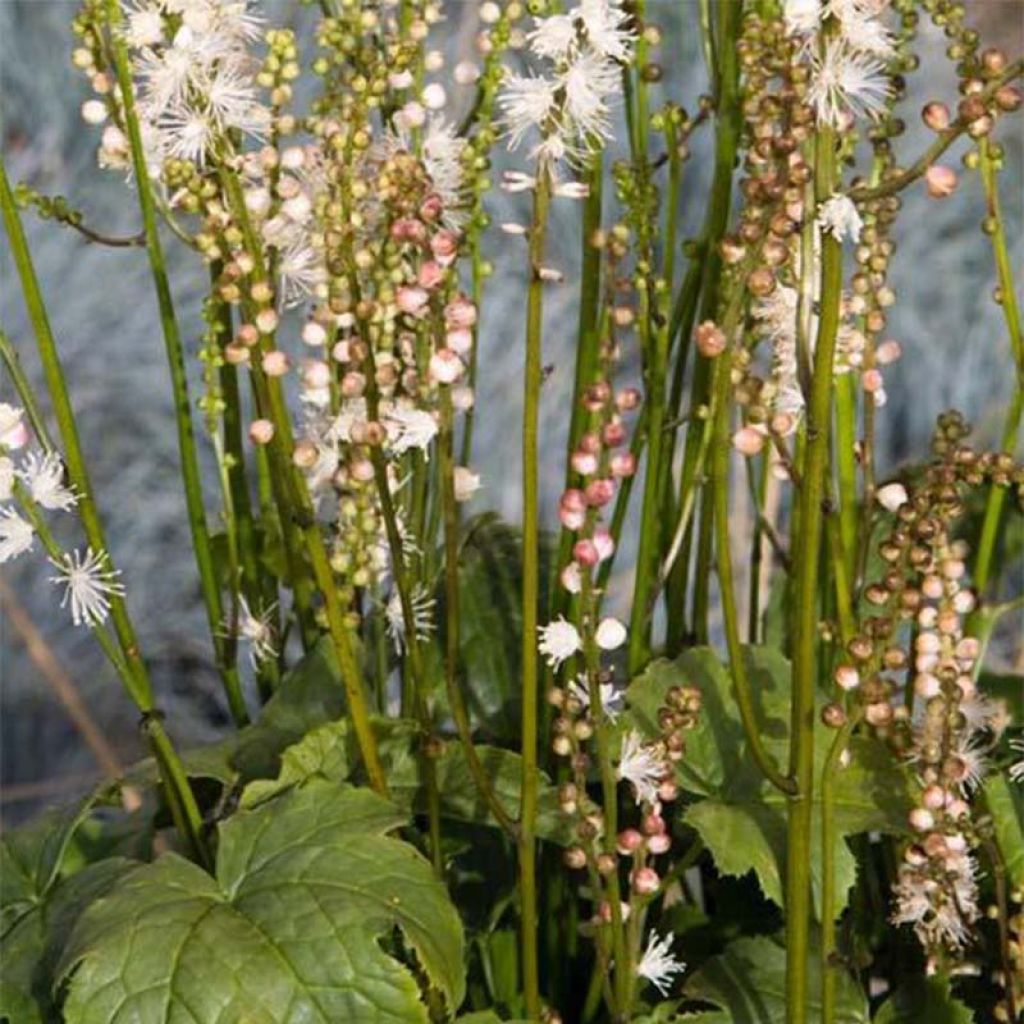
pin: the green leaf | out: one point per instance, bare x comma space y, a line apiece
748, 981
742, 818
924, 1001
301, 922
1006, 805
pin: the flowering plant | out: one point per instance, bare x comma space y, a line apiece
478, 771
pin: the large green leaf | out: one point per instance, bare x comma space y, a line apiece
924, 1001
741, 817
311, 903
1006, 805
748, 981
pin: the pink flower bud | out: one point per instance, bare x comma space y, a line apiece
623, 464
585, 552
668, 790
710, 339
261, 431
316, 374
613, 434
847, 678
871, 381
353, 384
940, 181
660, 843
432, 207
599, 492
604, 543
314, 334
445, 245
571, 578
934, 798
411, 300
266, 321
888, 352
653, 824
445, 366
430, 275
627, 399
629, 841
611, 634
275, 363
408, 229
748, 441
584, 463
460, 312
460, 340
590, 443
921, 819
646, 881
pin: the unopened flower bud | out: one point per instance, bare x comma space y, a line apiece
940, 181
710, 339
646, 881
936, 116
748, 441
261, 431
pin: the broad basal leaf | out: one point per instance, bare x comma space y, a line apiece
307, 919
742, 818
924, 1001
748, 981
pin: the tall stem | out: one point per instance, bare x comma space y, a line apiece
531, 597
179, 383
807, 558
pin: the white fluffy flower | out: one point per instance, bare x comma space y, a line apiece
44, 477
657, 964
802, 17
604, 23
838, 217
466, 482
846, 83
409, 429
861, 28
612, 698
640, 765
13, 432
256, 632
559, 640
442, 153
527, 103
892, 496
940, 900
16, 535
88, 585
588, 82
6, 477
422, 614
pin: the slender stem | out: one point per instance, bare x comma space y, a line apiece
846, 466
463, 726
531, 598
27, 397
805, 619
719, 485
191, 477
1011, 312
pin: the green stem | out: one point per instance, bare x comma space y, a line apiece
807, 556
26, 395
531, 597
179, 383
846, 466
451, 604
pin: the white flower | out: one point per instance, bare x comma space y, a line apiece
409, 429
231, 96
422, 615
13, 432
802, 17
527, 103
6, 478
256, 631
88, 585
301, 270
553, 36
612, 697
940, 904
658, 965
442, 152
44, 477
641, 766
467, 483
604, 22
559, 640
892, 496
145, 24
1017, 768
847, 82
611, 634
588, 81
839, 217
970, 766
16, 535
188, 132
861, 28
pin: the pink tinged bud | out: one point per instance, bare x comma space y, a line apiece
934, 798
460, 312
353, 384
340, 352
629, 841
748, 441
261, 431
668, 790
571, 578
430, 275
604, 543
605, 911
878, 714
646, 881
653, 824
361, 470
571, 519
936, 116
599, 492
659, 844
847, 677
892, 497
236, 354
958, 809
408, 229
871, 381
611, 634
613, 434
932, 587
314, 334
921, 819
462, 398
575, 857
460, 340
940, 181
964, 602
445, 366
16, 436
431, 208
467, 483
623, 464
275, 363
968, 649
584, 463
927, 686
316, 374
710, 339
590, 443
573, 499
888, 352
411, 300
266, 321
445, 245
585, 552
627, 399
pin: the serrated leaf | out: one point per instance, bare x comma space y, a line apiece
924, 1001
748, 981
1006, 805
308, 886
742, 819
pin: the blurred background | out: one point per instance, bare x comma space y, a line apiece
101, 303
